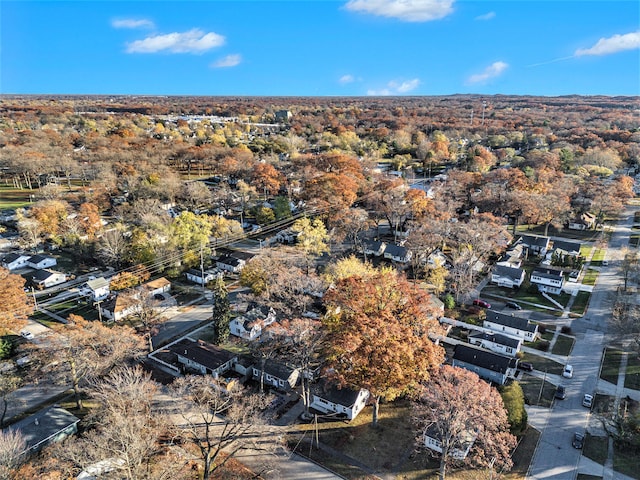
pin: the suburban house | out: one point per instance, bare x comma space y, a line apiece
496, 342
156, 287
97, 289
230, 263
513, 256
433, 441
50, 425
548, 279
276, 375
250, 325
286, 237
41, 261
397, 253
13, 261
375, 248
194, 275
488, 365
346, 402
537, 245
438, 259
504, 276
510, 325
48, 278
203, 357
566, 247
583, 222
120, 306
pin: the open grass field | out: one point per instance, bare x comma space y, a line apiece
611, 365
11, 198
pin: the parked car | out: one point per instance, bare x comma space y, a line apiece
578, 440
26, 334
525, 366
605, 263
561, 392
481, 303
513, 305
587, 400
568, 371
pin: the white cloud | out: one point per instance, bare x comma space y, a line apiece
486, 16
405, 10
617, 43
132, 23
395, 88
347, 79
492, 71
228, 61
193, 41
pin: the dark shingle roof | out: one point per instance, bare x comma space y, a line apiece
330, 391
496, 338
395, 250
510, 272
203, 353
567, 246
483, 358
535, 240
41, 275
276, 369
547, 272
43, 425
37, 258
510, 321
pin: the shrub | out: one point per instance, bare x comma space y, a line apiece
449, 302
566, 329
6, 348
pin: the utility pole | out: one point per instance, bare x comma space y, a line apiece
544, 379
484, 104
202, 267
35, 301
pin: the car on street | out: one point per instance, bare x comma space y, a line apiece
578, 440
568, 371
605, 263
513, 306
525, 366
587, 400
481, 303
561, 392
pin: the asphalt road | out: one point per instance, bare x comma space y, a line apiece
555, 458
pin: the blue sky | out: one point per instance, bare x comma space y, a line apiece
321, 47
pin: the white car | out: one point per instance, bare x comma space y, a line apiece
568, 371
587, 400
26, 334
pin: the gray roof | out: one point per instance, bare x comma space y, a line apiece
44, 425
510, 272
496, 338
510, 321
97, 283
42, 275
12, 257
483, 358
38, 258
567, 246
547, 272
276, 369
202, 353
330, 391
395, 250
535, 240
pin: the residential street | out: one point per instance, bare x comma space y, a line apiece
555, 458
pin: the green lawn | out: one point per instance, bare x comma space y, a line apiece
580, 303
563, 345
585, 250
596, 448
584, 476
11, 198
543, 363
598, 256
590, 276
611, 365
632, 378
625, 459
531, 389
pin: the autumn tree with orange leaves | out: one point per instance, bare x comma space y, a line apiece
378, 335
15, 305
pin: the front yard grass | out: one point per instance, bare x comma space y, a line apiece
598, 256
596, 448
580, 303
563, 345
543, 363
531, 389
12, 198
632, 377
611, 365
625, 459
590, 276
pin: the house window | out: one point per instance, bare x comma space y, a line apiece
509, 350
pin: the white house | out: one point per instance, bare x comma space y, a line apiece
513, 256
496, 342
397, 253
230, 264
203, 357
510, 325
538, 245
461, 448
157, 286
195, 276
375, 248
120, 306
250, 325
41, 261
14, 261
97, 289
345, 402
505, 276
548, 279
48, 278
276, 375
